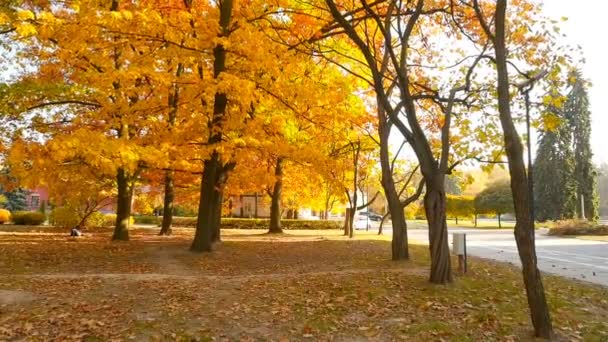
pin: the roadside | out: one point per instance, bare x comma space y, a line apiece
581, 259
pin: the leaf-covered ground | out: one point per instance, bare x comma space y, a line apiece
305, 285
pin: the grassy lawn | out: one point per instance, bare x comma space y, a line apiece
315, 285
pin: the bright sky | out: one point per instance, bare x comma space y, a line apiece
584, 27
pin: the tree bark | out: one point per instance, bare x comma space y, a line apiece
217, 217
214, 171
275, 205
123, 206
499, 221
168, 204
399, 243
205, 226
347, 221
434, 206
524, 226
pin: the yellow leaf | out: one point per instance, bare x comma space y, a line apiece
25, 15
25, 29
4, 19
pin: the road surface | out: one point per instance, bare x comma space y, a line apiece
569, 257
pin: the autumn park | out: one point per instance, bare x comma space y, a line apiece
311, 170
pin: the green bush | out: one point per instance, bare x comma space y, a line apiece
577, 227
109, 220
242, 223
147, 219
28, 218
5, 216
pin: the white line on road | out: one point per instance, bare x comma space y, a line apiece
552, 258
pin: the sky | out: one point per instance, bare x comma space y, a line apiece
586, 27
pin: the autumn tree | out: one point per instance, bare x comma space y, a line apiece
379, 43
496, 31
495, 199
460, 206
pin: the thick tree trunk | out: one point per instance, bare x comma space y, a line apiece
123, 206
168, 204
351, 226
275, 205
524, 226
207, 209
214, 174
434, 206
347, 221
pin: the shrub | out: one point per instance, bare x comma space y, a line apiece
96, 219
68, 217
242, 223
109, 220
28, 218
577, 227
147, 219
5, 216
64, 217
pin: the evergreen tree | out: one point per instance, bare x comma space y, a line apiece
15, 200
577, 113
555, 187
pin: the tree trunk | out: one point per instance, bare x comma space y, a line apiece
499, 221
217, 217
456, 218
168, 204
214, 173
351, 226
434, 206
524, 226
207, 223
275, 206
399, 243
475, 220
123, 206
347, 221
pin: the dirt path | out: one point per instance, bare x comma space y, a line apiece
180, 273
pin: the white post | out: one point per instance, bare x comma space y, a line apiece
582, 206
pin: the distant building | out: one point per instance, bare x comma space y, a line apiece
258, 206
35, 198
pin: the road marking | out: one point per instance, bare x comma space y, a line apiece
553, 258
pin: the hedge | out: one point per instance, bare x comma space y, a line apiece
28, 218
577, 227
147, 219
243, 223
109, 220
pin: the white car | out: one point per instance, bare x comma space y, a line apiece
361, 222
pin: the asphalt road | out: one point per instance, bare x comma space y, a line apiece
569, 257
